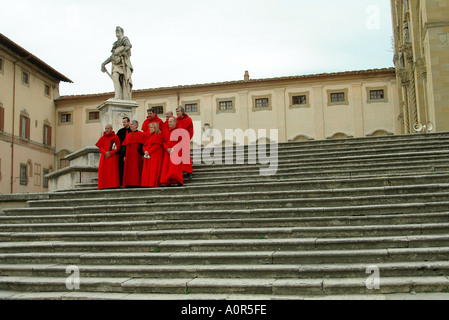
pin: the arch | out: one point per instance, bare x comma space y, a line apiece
61, 162
30, 168
340, 135
301, 138
264, 140
379, 132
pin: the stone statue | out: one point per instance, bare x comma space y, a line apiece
122, 68
406, 32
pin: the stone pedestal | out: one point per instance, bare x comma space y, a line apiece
83, 169
113, 111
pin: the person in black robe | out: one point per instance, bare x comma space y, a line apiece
122, 135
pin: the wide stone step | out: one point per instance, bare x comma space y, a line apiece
171, 246
431, 199
362, 141
329, 160
315, 148
309, 172
256, 157
287, 194
241, 286
353, 142
267, 186
112, 222
242, 201
390, 209
324, 165
325, 174
233, 233
223, 182
365, 256
286, 271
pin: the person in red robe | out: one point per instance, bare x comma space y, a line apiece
133, 143
108, 169
185, 122
171, 172
152, 117
168, 115
153, 158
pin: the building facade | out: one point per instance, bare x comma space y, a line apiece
28, 90
313, 107
421, 44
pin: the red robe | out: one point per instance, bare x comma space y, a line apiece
151, 172
185, 122
132, 172
147, 122
164, 126
108, 171
171, 173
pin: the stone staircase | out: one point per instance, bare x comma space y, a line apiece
334, 212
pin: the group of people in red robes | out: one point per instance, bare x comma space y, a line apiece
154, 157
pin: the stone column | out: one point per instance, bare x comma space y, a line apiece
406, 109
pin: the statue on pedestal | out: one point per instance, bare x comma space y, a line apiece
122, 68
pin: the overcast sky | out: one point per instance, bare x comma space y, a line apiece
181, 42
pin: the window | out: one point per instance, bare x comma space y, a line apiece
94, 115
2, 118
25, 78
47, 135
191, 108
225, 105
24, 127
45, 180
47, 90
37, 175
338, 97
23, 174
63, 163
262, 103
158, 109
66, 117
377, 94
299, 100
2, 62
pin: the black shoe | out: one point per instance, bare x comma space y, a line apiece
189, 176
180, 184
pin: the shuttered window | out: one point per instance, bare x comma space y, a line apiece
24, 127
47, 135
2, 119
